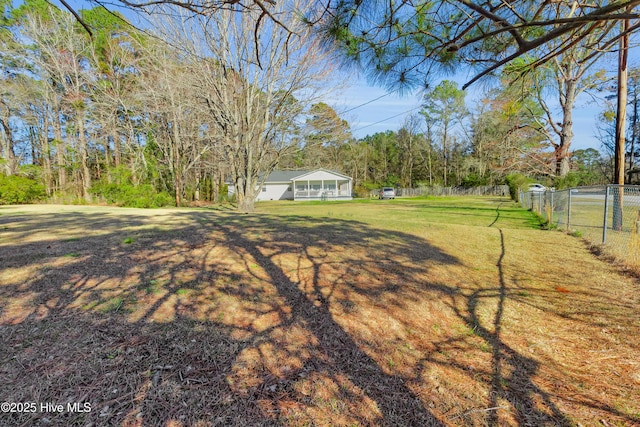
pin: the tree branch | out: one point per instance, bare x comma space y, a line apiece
77, 16
501, 22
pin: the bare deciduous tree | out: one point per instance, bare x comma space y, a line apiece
253, 87
177, 121
565, 77
62, 57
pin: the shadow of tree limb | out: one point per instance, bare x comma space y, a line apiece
215, 318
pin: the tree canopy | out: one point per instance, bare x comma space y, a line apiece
167, 115
408, 42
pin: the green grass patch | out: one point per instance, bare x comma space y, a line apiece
71, 255
112, 305
90, 306
152, 287
523, 294
406, 214
145, 287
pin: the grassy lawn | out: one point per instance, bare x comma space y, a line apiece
406, 312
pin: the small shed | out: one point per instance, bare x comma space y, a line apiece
317, 184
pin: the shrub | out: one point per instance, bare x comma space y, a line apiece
226, 198
516, 182
135, 196
361, 192
474, 180
19, 190
121, 191
571, 180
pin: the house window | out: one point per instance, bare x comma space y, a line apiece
289, 188
264, 189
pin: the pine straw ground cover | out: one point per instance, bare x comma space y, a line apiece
443, 312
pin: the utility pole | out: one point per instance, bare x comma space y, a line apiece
621, 120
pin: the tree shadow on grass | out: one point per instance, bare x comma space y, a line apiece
310, 306
191, 323
514, 376
512, 373
225, 319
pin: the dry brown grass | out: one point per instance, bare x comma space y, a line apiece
196, 317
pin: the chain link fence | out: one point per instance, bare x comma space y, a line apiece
486, 190
607, 215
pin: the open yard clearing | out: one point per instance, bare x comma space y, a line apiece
415, 312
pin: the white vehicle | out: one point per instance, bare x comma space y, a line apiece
537, 188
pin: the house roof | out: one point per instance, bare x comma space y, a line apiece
304, 173
286, 176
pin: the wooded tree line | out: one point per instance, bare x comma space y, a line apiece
144, 118
126, 114
445, 143
106, 113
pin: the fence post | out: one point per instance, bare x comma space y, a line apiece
569, 210
540, 206
552, 209
606, 214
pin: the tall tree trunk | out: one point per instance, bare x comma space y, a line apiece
245, 183
410, 183
116, 149
46, 152
244, 195
196, 194
107, 153
445, 153
176, 161
178, 193
430, 167
7, 148
84, 158
216, 184
36, 154
60, 151
620, 126
633, 126
566, 135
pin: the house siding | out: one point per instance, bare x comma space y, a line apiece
275, 191
319, 184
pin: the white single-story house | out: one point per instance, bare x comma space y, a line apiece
318, 184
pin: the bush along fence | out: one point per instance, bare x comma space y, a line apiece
607, 215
